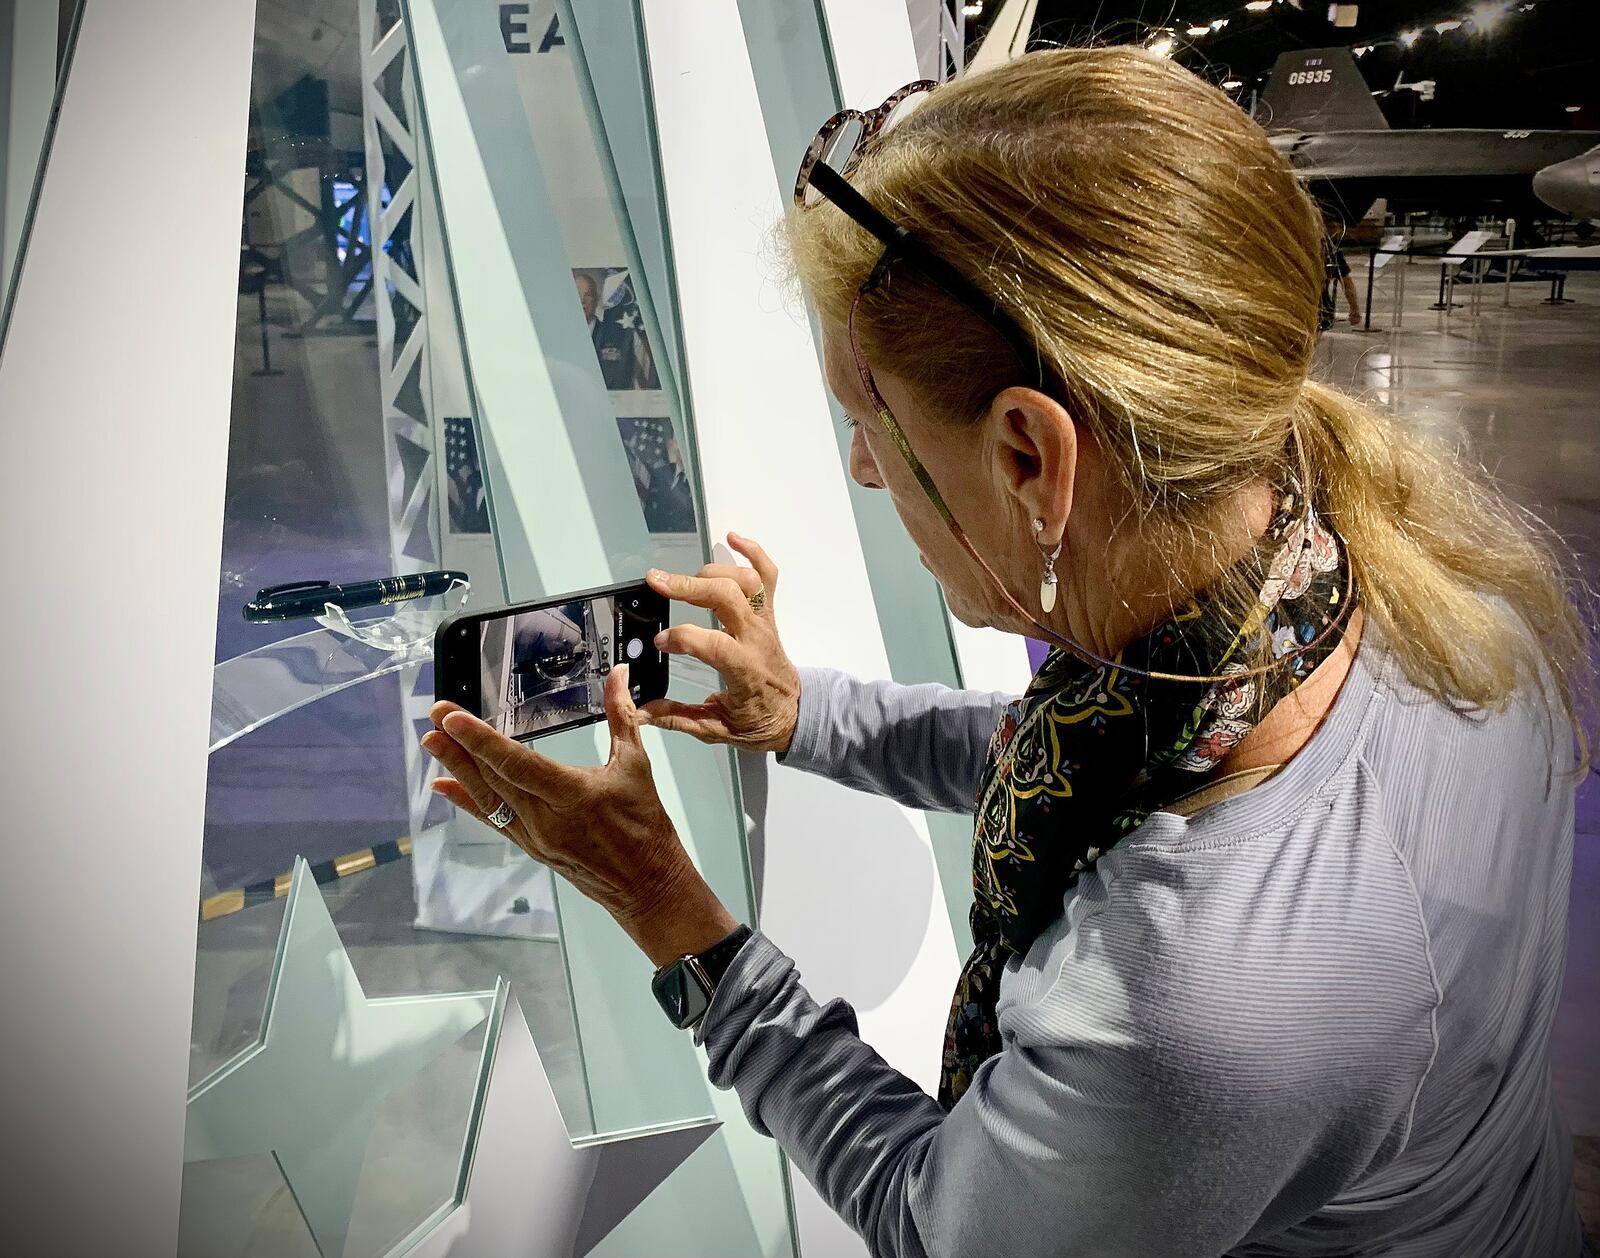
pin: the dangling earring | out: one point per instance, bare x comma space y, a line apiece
1047, 584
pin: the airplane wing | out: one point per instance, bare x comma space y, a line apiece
1426, 153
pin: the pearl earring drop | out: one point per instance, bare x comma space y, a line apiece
1047, 584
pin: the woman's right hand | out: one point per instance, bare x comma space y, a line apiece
759, 704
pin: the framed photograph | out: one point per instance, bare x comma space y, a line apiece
659, 474
616, 327
468, 503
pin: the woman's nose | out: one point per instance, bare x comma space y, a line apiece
863, 467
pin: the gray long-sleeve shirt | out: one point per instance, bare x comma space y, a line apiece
1311, 1020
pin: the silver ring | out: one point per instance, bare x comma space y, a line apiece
502, 816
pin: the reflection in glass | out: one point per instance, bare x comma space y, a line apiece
353, 456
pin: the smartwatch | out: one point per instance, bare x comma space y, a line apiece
683, 988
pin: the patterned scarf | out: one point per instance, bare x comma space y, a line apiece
1090, 751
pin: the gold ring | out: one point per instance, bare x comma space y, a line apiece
758, 600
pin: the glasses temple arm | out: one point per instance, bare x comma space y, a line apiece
899, 243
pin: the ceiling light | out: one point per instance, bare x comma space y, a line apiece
1259, 6
1487, 16
1446, 26
1199, 30
972, 9
1231, 85
1161, 47
1572, 109
1361, 50
1219, 23
1409, 37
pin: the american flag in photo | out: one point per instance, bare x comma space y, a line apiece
646, 439
460, 446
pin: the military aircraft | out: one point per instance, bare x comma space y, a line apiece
1322, 116
1572, 186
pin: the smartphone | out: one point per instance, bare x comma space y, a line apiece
538, 668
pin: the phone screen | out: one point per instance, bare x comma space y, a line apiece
542, 668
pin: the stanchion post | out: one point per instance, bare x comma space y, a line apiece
1447, 288
1372, 274
266, 368
1511, 243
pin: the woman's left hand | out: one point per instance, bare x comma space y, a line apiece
604, 829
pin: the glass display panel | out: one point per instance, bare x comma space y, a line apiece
36, 38
795, 79
589, 467
354, 455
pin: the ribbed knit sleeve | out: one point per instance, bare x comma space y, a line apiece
921, 745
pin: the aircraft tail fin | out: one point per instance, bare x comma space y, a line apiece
1319, 89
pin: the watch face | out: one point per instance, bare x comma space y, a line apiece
680, 995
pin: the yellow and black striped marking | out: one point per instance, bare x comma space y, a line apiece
225, 902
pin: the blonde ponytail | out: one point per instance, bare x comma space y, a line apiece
1469, 591
1164, 260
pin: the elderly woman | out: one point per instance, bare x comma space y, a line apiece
1271, 859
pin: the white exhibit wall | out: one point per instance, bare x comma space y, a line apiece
849, 884
115, 385
874, 52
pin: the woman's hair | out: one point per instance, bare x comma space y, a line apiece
1164, 260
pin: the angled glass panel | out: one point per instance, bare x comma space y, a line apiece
354, 455
795, 79
337, 1079
589, 459
36, 38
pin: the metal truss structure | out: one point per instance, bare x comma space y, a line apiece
388, 90
952, 38
333, 247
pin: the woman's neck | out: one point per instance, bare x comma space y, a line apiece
1238, 526
1109, 617
1288, 727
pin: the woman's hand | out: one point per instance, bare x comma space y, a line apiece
759, 704
604, 829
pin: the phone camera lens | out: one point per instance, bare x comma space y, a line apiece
635, 648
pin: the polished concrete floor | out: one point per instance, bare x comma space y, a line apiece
1519, 387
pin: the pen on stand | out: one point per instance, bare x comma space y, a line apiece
300, 599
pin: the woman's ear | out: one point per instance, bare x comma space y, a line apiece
1036, 456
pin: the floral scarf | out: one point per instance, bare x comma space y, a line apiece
1090, 751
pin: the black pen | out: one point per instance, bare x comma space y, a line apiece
308, 598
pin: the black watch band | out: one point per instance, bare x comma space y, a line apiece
684, 988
